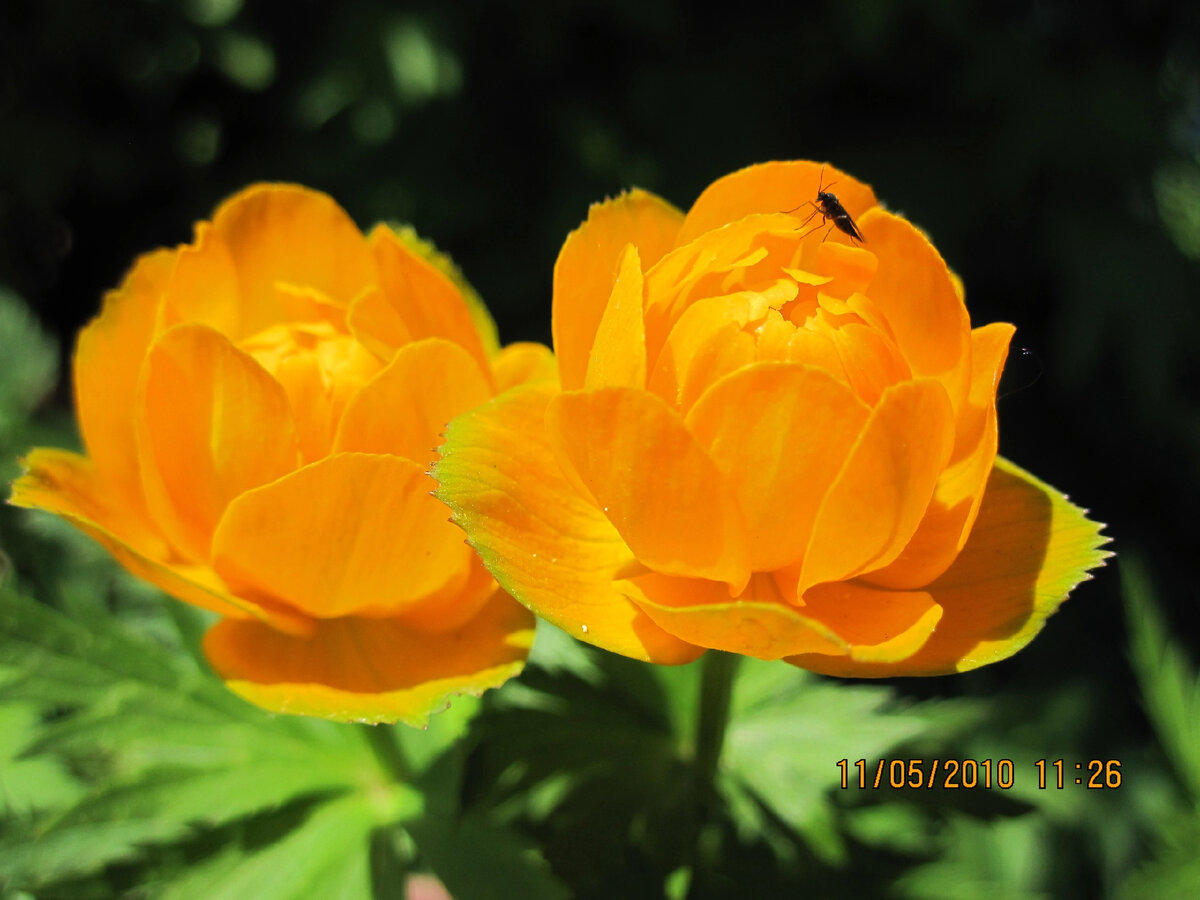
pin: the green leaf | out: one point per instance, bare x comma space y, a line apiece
1169, 681
30, 361
476, 859
326, 856
788, 729
167, 749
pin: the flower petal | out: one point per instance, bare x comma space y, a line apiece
706, 342
759, 623
352, 534
779, 432
618, 357
586, 265
69, 486
880, 626
204, 288
771, 188
287, 233
959, 492
549, 546
523, 362
1029, 548
426, 299
371, 670
376, 324
885, 485
211, 423
405, 408
914, 290
654, 481
107, 364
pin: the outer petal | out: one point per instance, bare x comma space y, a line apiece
405, 408
68, 485
352, 534
427, 300
204, 288
586, 266
959, 493
655, 482
211, 423
880, 626
108, 361
759, 623
618, 357
1028, 549
779, 432
885, 485
914, 290
524, 363
371, 670
770, 188
550, 547
281, 233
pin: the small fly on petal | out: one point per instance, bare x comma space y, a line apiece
830, 208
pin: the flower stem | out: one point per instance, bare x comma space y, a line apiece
716, 691
717, 670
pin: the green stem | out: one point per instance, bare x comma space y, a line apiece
382, 741
716, 691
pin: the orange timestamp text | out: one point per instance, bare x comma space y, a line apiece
956, 774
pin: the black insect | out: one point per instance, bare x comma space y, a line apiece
829, 207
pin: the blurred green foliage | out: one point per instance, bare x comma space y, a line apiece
1052, 151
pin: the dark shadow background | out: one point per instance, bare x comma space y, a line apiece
1052, 152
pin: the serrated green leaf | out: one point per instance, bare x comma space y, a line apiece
29, 785
788, 729
326, 856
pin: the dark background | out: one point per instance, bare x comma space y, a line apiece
1051, 151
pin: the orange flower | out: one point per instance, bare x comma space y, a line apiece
259, 409
769, 440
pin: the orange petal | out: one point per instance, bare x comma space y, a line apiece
759, 623
654, 481
618, 357
404, 409
69, 486
291, 234
204, 288
770, 188
850, 269
376, 324
736, 260
1028, 549
779, 432
914, 290
959, 492
211, 424
371, 670
880, 626
524, 362
425, 297
551, 548
886, 482
707, 341
108, 362
352, 534
584, 272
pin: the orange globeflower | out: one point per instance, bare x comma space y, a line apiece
260, 409
768, 440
